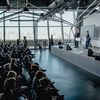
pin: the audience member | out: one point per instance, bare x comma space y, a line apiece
22, 78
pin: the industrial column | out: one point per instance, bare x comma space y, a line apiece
48, 29
19, 26
62, 29
35, 32
4, 32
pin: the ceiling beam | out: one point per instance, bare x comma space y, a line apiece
56, 9
10, 8
67, 22
87, 8
11, 15
89, 14
13, 20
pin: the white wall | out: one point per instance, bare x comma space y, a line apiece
94, 19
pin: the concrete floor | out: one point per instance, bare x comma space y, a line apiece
70, 82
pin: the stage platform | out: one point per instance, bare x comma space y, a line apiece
79, 59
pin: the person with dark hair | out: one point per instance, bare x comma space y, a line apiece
13, 65
25, 42
49, 44
26, 63
18, 42
40, 45
77, 36
38, 75
42, 91
88, 39
9, 89
11, 74
52, 42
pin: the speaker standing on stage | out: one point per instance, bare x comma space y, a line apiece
88, 39
77, 38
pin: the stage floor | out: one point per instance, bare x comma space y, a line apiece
78, 58
69, 80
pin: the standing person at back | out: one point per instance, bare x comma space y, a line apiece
25, 41
52, 42
88, 39
40, 45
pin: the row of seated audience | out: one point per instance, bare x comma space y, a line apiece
15, 61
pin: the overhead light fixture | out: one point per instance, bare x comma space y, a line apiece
97, 8
25, 9
42, 14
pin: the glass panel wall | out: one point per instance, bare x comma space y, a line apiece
11, 33
42, 30
9, 19
54, 23
69, 16
28, 32
55, 27
1, 33
56, 32
1, 28
26, 20
26, 29
42, 33
1, 23
11, 27
67, 34
42, 23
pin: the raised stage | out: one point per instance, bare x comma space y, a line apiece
79, 59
